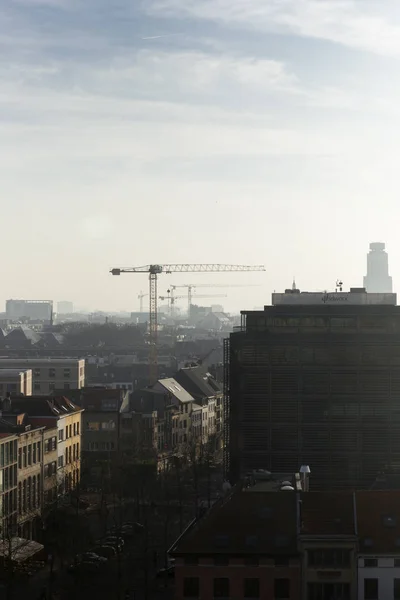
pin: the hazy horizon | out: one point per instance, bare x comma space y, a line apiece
196, 131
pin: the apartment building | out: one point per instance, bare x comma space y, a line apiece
245, 547
328, 545
61, 413
15, 381
49, 374
8, 484
101, 424
378, 517
50, 459
30, 477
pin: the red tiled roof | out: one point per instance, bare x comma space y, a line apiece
378, 518
245, 523
327, 513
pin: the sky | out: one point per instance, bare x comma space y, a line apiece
196, 131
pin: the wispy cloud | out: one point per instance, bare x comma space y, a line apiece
365, 25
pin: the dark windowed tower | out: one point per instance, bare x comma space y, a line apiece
377, 279
314, 380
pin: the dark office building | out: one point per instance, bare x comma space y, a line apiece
314, 380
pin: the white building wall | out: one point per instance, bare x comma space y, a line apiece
385, 572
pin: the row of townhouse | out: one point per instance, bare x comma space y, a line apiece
288, 545
40, 449
185, 411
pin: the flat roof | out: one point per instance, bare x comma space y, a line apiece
11, 372
39, 361
354, 298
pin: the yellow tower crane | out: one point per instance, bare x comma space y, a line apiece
154, 271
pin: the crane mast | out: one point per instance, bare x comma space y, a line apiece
154, 271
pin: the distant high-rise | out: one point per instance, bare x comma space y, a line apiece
65, 308
377, 279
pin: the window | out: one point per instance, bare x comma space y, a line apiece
109, 426
191, 561
67, 373
221, 561
397, 562
191, 587
36, 372
24, 457
93, 426
77, 428
329, 558
221, 587
61, 435
66, 456
51, 387
396, 589
19, 458
70, 431
327, 591
371, 589
251, 588
52, 372
67, 386
74, 428
370, 562
36, 387
30, 454
281, 589
34, 454
281, 561
60, 461
251, 561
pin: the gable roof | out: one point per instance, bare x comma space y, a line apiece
174, 388
378, 517
245, 523
23, 333
327, 513
41, 406
197, 381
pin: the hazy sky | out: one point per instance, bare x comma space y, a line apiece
232, 131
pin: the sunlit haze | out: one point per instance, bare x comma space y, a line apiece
196, 131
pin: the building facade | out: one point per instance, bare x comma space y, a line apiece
30, 480
41, 310
8, 484
49, 374
315, 379
15, 381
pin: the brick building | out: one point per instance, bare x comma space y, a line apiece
245, 547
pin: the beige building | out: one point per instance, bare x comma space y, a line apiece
8, 483
50, 437
30, 482
49, 374
15, 381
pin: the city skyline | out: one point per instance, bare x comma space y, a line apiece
266, 128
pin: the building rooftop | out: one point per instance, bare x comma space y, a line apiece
173, 387
40, 406
355, 296
378, 518
198, 381
12, 372
95, 399
327, 513
263, 523
38, 361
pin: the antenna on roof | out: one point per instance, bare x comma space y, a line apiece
339, 284
294, 286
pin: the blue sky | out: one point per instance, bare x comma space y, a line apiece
236, 131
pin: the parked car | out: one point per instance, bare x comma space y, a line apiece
106, 551
137, 527
114, 541
84, 567
91, 556
168, 572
